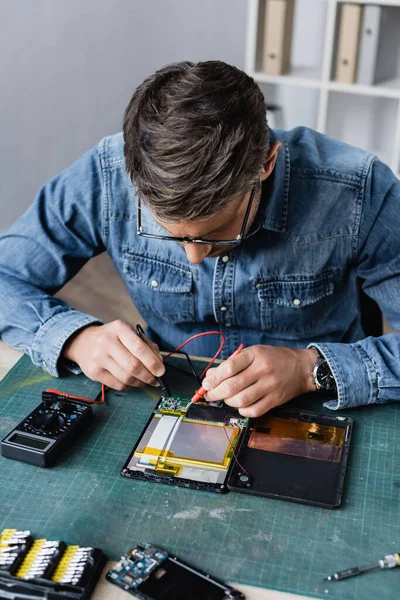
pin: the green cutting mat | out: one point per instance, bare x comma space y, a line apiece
251, 540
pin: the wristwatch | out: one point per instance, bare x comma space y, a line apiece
322, 375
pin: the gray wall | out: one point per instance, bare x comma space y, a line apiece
68, 69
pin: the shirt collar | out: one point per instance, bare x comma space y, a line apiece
275, 193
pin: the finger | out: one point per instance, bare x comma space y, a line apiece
110, 381
155, 348
142, 335
227, 369
232, 386
125, 378
247, 397
153, 345
262, 406
141, 350
130, 364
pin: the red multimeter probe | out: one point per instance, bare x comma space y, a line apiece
200, 393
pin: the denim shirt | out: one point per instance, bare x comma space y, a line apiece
330, 213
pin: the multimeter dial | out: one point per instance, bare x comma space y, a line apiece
52, 419
47, 422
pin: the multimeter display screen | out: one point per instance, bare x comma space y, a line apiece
23, 440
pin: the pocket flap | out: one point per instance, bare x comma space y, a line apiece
295, 292
159, 275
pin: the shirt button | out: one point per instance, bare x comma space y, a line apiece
225, 259
224, 308
154, 283
296, 302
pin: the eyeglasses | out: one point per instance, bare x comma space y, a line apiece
186, 240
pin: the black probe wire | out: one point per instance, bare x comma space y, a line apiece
195, 375
141, 333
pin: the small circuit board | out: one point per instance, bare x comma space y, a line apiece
201, 411
136, 566
174, 405
150, 573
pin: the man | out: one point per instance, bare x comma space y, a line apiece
215, 222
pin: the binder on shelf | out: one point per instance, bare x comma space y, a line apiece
349, 34
379, 44
388, 55
369, 40
278, 27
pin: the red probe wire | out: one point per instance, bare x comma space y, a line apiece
201, 392
201, 335
81, 398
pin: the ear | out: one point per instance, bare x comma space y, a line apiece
270, 160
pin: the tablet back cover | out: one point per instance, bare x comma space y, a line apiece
294, 455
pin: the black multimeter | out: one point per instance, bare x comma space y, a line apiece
47, 431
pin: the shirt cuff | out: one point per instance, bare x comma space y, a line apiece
354, 372
52, 336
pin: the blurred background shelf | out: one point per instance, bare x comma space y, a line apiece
366, 116
387, 89
301, 76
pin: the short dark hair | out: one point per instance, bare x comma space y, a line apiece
195, 135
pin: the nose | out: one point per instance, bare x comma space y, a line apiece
196, 253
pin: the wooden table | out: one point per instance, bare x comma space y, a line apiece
106, 591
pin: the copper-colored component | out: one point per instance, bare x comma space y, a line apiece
298, 438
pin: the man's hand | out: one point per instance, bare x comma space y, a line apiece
260, 378
115, 355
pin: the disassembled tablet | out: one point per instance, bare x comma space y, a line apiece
189, 445
149, 573
289, 454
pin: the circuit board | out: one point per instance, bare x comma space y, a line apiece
136, 566
186, 443
149, 573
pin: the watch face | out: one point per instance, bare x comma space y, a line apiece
325, 377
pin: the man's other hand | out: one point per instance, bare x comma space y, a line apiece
260, 378
115, 355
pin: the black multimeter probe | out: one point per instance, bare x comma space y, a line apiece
165, 389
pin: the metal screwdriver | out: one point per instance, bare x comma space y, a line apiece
387, 562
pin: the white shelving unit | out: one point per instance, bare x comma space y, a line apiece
364, 116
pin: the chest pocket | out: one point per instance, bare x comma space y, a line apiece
161, 288
295, 305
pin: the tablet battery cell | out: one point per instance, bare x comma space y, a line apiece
188, 443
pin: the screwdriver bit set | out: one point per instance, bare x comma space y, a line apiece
40, 568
